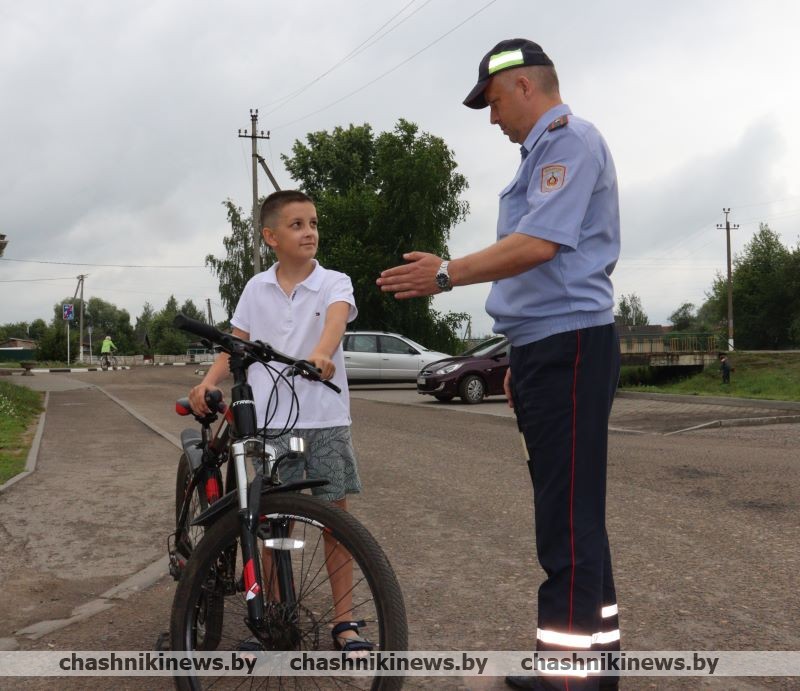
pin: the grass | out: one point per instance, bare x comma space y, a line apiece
19, 410
774, 376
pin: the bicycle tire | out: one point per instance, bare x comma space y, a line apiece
197, 504
209, 607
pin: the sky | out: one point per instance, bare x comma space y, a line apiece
119, 126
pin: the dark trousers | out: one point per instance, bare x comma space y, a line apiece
563, 387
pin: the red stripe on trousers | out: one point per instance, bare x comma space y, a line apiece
572, 478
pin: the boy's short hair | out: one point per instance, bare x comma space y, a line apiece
275, 202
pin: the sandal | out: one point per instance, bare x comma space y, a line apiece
350, 644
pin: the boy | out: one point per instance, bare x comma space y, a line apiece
302, 309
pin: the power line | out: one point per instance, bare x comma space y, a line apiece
115, 266
389, 71
279, 103
28, 280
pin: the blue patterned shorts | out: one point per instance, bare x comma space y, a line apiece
329, 456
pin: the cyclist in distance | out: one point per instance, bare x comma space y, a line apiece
297, 306
106, 348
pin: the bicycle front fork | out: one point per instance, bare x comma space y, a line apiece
248, 521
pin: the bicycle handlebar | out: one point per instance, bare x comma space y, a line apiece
256, 349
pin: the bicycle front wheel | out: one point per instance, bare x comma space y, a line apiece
210, 610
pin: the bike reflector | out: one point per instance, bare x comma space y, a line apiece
284, 543
212, 490
182, 406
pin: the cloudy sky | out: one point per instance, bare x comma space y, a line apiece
119, 125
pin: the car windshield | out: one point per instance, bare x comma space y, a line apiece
484, 348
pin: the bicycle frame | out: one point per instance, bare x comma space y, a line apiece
238, 433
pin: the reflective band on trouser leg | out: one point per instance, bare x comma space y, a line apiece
576, 641
608, 638
610, 611
609, 641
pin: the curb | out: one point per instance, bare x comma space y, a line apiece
171, 438
78, 369
741, 422
712, 400
139, 581
33, 452
134, 584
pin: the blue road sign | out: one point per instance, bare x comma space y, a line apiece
69, 312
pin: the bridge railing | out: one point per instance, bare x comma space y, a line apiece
666, 343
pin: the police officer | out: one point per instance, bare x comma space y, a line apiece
557, 244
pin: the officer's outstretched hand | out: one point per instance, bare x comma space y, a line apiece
412, 280
507, 388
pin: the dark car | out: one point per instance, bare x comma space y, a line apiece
473, 375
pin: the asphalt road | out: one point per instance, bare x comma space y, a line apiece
704, 526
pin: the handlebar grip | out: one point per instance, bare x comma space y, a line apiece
214, 401
331, 385
198, 328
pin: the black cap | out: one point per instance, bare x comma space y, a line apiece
514, 52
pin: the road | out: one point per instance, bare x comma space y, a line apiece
704, 526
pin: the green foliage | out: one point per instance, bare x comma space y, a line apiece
104, 318
144, 324
766, 294
19, 408
683, 318
236, 269
630, 311
165, 338
376, 198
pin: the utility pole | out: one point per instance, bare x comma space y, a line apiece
79, 287
727, 227
254, 135
208, 311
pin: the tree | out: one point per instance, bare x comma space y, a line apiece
765, 298
683, 318
107, 320
236, 269
376, 198
104, 318
144, 323
630, 311
164, 337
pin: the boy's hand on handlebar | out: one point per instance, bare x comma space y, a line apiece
323, 363
507, 388
197, 398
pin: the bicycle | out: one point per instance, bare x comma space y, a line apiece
231, 596
107, 360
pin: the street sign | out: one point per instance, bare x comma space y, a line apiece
69, 312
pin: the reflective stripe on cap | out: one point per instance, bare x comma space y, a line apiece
508, 58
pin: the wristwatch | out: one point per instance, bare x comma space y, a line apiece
443, 278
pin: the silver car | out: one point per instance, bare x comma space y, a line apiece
379, 355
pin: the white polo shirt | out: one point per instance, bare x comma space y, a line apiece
293, 325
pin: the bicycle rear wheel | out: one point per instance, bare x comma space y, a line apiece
198, 502
210, 611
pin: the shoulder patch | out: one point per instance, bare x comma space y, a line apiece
553, 178
558, 123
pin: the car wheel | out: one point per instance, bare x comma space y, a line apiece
443, 397
472, 389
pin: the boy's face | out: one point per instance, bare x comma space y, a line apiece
294, 235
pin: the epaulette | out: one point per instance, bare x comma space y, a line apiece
558, 123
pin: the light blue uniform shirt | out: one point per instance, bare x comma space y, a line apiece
565, 191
